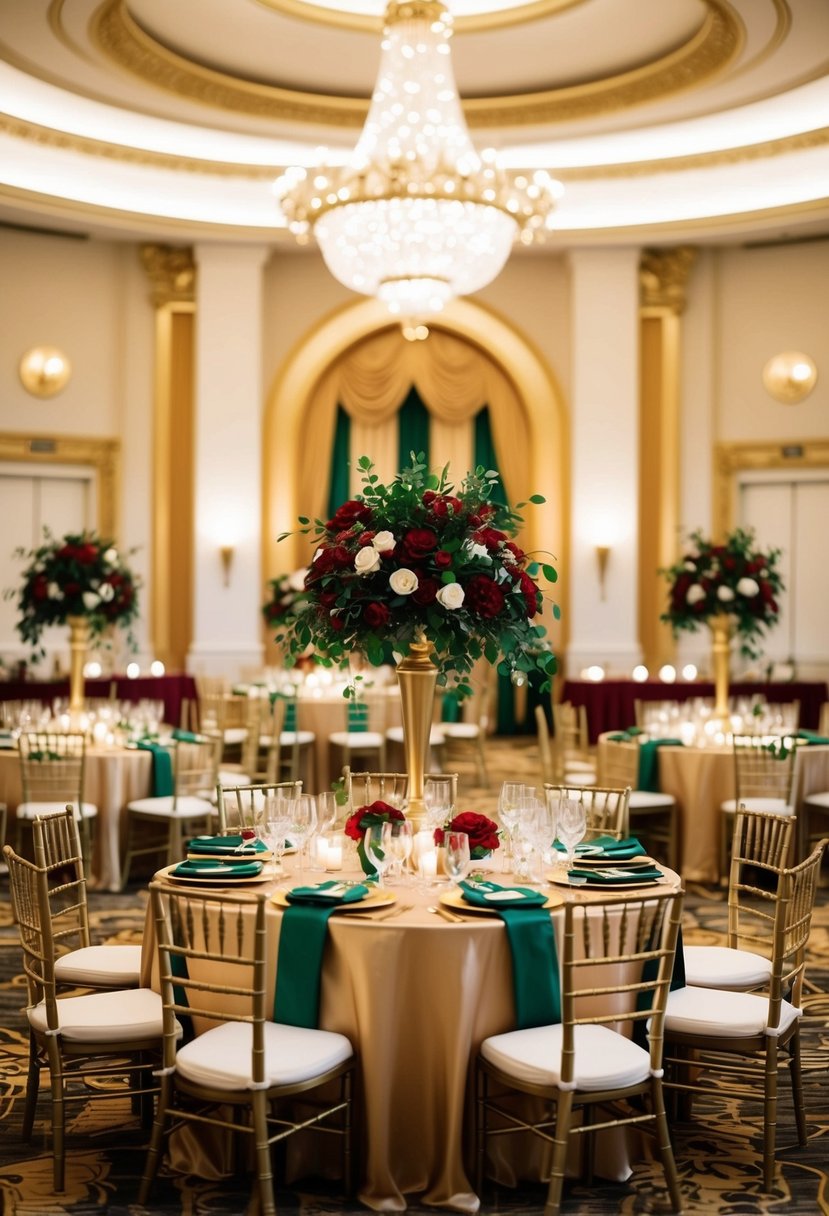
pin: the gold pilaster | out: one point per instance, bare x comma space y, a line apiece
663, 279
171, 272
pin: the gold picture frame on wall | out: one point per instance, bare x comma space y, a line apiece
102, 455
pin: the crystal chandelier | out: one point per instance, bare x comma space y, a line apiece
416, 216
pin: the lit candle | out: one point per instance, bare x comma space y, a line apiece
334, 853
321, 851
424, 842
427, 864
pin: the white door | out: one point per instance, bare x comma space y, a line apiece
58, 497
792, 513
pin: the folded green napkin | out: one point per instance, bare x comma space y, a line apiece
608, 847
222, 846
614, 874
186, 736
302, 937
811, 736
214, 867
532, 942
162, 778
627, 735
648, 775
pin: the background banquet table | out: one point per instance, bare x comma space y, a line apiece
416, 996
113, 776
700, 779
171, 689
610, 703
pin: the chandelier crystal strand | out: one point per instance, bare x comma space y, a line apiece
417, 215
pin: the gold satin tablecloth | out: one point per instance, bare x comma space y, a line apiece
113, 776
701, 779
416, 996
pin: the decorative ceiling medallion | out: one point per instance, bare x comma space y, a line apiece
467, 15
716, 43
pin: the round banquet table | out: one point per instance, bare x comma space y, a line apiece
700, 779
113, 776
415, 995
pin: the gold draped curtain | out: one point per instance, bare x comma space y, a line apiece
371, 380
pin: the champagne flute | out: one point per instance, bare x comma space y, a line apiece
456, 845
572, 825
378, 848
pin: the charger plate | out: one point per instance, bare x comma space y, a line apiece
374, 899
455, 900
562, 880
207, 881
607, 863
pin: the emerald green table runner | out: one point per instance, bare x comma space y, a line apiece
302, 937
532, 941
811, 736
648, 775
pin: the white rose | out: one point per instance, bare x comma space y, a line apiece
54, 592
111, 556
694, 594
748, 586
91, 600
475, 550
367, 560
690, 566
383, 541
725, 594
403, 582
297, 580
450, 596
107, 592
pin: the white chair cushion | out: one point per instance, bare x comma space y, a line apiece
105, 1017
579, 777
234, 734
31, 810
604, 1059
221, 1057
771, 806
355, 739
724, 967
460, 730
228, 777
288, 738
185, 808
437, 735
821, 800
114, 966
721, 1014
645, 800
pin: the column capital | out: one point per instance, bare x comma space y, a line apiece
663, 277
172, 273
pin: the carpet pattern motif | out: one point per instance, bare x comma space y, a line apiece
717, 1153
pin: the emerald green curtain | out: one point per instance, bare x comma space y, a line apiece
413, 429
338, 477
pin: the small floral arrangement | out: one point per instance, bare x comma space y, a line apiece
282, 595
365, 817
77, 575
482, 833
417, 560
734, 578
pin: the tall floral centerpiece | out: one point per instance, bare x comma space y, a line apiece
79, 580
733, 588
431, 572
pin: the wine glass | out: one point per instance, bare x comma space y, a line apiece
509, 806
572, 825
326, 811
303, 817
402, 843
378, 848
277, 825
457, 859
437, 796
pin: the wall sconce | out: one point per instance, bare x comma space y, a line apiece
226, 555
602, 555
44, 371
789, 377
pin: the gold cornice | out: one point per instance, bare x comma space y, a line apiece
713, 47
49, 137
663, 277
172, 274
730, 458
533, 10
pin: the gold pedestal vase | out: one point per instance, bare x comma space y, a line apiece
722, 628
78, 646
417, 678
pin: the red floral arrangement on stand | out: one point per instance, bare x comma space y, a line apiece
365, 817
482, 832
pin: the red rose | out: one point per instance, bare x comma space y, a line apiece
418, 543
516, 552
87, 554
365, 816
330, 558
366, 539
336, 622
445, 504
443, 560
484, 596
482, 832
350, 513
530, 592
491, 538
376, 615
426, 591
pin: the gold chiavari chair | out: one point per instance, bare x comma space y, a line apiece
212, 954
573, 762
85, 1042
739, 1041
763, 781
653, 815
239, 806
52, 768
363, 788
364, 733
606, 807
621, 951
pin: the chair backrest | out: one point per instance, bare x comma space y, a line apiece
823, 721
619, 763
792, 927
241, 806
57, 848
606, 807
212, 952
621, 951
545, 750
763, 767
760, 849
366, 711
260, 749
52, 766
28, 885
571, 740
363, 788
195, 766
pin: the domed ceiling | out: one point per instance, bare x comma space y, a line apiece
665, 120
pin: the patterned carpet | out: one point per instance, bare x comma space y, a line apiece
716, 1154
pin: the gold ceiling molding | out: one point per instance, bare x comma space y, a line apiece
663, 277
54, 17
49, 137
172, 273
533, 10
714, 46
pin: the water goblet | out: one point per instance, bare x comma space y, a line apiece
456, 860
402, 843
378, 849
572, 825
437, 797
509, 804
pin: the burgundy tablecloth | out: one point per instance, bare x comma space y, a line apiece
171, 689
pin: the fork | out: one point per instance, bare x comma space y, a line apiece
397, 910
